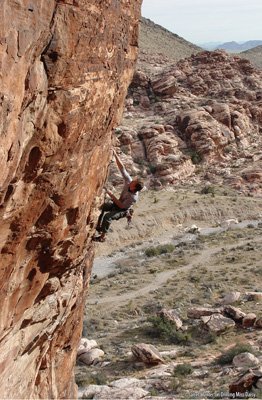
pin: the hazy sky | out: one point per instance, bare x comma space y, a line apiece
208, 20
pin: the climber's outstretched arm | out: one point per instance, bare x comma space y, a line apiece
118, 162
122, 169
117, 202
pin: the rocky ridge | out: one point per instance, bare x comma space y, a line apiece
254, 56
159, 47
197, 119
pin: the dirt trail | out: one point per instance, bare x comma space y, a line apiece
162, 277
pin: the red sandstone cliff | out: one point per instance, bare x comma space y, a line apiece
65, 67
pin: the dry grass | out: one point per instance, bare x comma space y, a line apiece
195, 273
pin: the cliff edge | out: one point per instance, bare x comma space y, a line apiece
65, 68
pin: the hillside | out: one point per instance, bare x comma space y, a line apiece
199, 119
254, 56
159, 47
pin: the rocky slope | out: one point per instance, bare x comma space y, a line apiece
65, 67
199, 119
254, 56
159, 47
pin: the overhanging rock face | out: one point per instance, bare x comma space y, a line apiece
65, 68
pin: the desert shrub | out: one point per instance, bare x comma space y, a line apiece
179, 337
195, 156
161, 327
99, 379
164, 329
194, 278
118, 131
228, 149
84, 379
227, 357
175, 384
152, 168
158, 250
183, 369
153, 392
208, 190
139, 160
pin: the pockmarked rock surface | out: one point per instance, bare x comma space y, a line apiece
65, 68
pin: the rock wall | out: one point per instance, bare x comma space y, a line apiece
65, 67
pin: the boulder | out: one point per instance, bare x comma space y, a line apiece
218, 323
85, 345
91, 357
107, 392
249, 320
193, 229
258, 323
144, 102
165, 85
259, 384
253, 296
244, 383
169, 353
245, 360
231, 297
198, 312
147, 354
235, 313
172, 316
228, 223
94, 391
252, 175
124, 383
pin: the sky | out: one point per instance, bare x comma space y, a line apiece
202, 21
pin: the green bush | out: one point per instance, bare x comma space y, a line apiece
84, 379
158, 250
183, 369
152, 168
208, 190
164, 329
227, 357
196, 157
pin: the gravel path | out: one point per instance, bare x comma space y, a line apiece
161, 277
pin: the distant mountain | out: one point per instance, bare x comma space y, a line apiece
209, 45
234, 47
158, 46
254, 56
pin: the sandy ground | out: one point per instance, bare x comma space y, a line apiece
128, 286
160, 215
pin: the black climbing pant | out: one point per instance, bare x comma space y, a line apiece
109, 212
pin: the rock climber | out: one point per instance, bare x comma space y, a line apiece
118, 208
